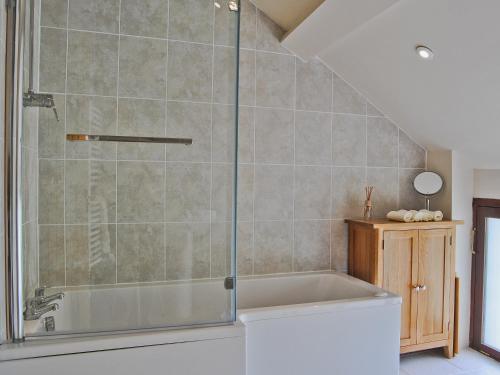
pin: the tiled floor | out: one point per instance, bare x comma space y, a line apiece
468, 362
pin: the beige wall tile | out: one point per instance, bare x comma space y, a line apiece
273, 247
246, 134
224, 81
349, 140
191, 81
142, 67
247, 78
312, 193
346, 99
94, 15
187, 192
222, 192
188, 250
51, 132
275, 80
51, 249
245, 192
92, 63
411, 155
52, 60
274, 136
220, 262
141, 117
244, 253
51, 192
339, 245
141, 195
314, 86
191, 20
140, 252
144, 18
190, 120
312, 245
385, 193
382, 143
223, 132
313, 138
273, 192
348, 192
54, 13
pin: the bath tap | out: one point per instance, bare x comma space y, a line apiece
41, 304
42, 299
35, 312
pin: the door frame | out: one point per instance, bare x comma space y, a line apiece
477, 277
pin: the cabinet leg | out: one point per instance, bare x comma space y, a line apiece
448, 351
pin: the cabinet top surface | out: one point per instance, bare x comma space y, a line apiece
387, 224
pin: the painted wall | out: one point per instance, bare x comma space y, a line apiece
308, 145
457, 198
462, 194
487, 183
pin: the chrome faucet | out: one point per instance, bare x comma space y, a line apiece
41, 304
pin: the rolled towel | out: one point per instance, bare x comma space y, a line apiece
401, 215
424, 215
438, 216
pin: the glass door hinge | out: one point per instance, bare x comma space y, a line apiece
229, 283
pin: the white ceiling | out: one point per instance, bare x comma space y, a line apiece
451, 102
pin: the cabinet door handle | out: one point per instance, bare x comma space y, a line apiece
423, 287
417, 288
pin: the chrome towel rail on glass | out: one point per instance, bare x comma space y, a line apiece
121, 138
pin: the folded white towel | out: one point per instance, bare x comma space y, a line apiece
411, 216
401, 215
438, 216
424, 215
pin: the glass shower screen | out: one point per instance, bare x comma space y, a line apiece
129, 164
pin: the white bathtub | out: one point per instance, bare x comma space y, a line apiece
321, 323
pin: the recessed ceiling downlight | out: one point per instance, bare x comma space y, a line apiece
424, 52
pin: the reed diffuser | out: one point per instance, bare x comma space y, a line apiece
367, 212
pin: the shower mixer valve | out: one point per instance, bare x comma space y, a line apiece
33, 99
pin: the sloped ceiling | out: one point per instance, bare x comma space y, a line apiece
287, 13
451, 102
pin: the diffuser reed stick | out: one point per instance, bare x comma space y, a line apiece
367, 212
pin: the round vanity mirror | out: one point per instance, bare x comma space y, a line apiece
428, 183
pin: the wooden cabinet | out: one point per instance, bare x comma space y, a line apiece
416, 261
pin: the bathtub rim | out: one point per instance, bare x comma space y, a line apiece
320, 307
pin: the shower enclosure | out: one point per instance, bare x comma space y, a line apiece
122, 165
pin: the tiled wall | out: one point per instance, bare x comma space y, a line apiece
308, 145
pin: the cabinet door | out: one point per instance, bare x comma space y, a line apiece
434, 278
400, 277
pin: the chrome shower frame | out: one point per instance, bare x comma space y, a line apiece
12, 315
